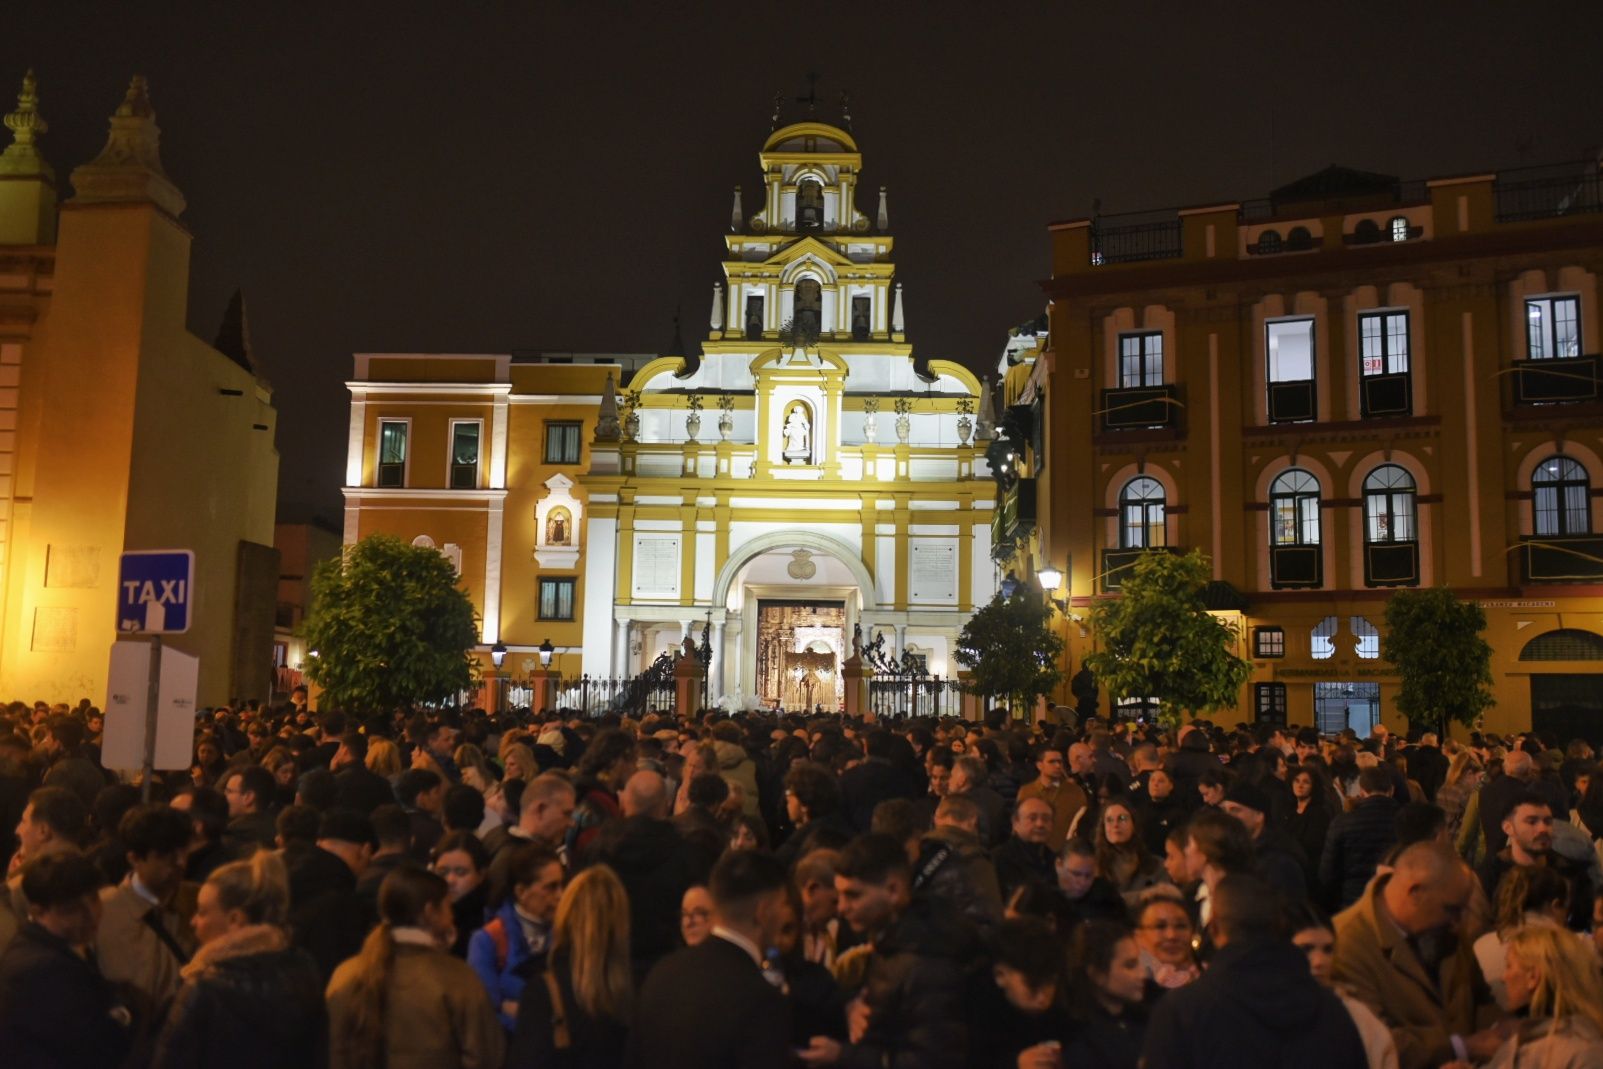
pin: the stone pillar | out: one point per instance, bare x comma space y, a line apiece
687, 678
620, 649
715, 688
856, 676
542, 689
492, 691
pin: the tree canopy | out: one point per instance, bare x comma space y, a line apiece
1434, 640
390, 627
1158, 640
1010, 649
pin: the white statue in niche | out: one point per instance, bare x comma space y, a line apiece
798, 435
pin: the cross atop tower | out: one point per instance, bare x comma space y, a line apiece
811, 99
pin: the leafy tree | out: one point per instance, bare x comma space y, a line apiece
1159, 640
390, 627
1435, 641
1010, 649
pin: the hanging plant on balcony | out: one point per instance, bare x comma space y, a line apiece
794, 335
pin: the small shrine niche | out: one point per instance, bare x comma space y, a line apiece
556, 521
797, 433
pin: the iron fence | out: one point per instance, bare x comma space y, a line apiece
1548, 192
650, 691
1133, 238
902, 696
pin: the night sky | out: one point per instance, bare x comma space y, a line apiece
478, 177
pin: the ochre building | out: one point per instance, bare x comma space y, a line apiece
1356, 385
120, 430
801, 476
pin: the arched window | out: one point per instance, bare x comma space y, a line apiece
1366, 232
1399, 228
809, 205
1141, 523
1294, 509
1269, 241
1389, 505
1561, 497
1298, 237
809, 304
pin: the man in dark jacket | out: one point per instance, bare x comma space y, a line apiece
873, 780
360, 788
249, 791
655, 864
1026, 857
56, 1010
953, 865
1358, 839
914, 991
1520, 774
710, 1006
1276, 858
1427, 765
1529, 831
1257, 1004
970, 778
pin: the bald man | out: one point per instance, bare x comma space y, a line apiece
654, 861
1401, 951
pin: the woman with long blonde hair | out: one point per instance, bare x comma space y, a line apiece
384, 758
1553, 976
576, 1013
405, 999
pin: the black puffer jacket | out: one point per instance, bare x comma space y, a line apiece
656, 866
255, 1009
1257, 1005
916, 990
1354, 845
954, 866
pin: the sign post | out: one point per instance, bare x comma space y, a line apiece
155, 589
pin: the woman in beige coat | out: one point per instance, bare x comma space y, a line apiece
404, 1002
1553, 977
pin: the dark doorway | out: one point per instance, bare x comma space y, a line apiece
1567, 706
1346, 705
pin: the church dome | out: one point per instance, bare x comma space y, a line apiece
810, 136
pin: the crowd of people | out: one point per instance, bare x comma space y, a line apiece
452, 888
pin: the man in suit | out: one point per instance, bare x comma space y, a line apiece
710, 1006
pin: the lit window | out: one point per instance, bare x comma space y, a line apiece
1294, 509
561, 443
1291, 350
556, 599
1553, 327
392, 435
1368, 637
1322, 640
1269, 703
1141, 514
1269, 642
1389, 505
1140, 360
1383, 343
1399, 228
465, 454
1561, 498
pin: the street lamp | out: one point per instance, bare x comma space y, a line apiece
1050, 578
546, 650
498, 653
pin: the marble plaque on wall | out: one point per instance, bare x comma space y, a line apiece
656, 566
55, 629
72, 567
932, 571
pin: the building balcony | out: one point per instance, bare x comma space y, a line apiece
1293, 402
1294, 566
1139, 407
1560, 381
1548, 192
1117, 564
1014, 516
1128, 239
1391, 563
1561, 558
1386, 395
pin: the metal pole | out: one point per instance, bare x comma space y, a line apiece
152, 700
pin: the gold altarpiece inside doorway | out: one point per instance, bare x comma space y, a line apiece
800, 646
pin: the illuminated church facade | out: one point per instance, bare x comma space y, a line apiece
804, 475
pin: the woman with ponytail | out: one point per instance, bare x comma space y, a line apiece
248, 998
575, 1013
404, 1002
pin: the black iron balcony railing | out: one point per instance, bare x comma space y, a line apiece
1548, 192
1125, 239
1391, 563
1561, 558
1557, 381
1140, 406
1117, 563
1386, 395
1296, 566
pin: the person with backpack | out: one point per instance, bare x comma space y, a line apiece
513, 945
